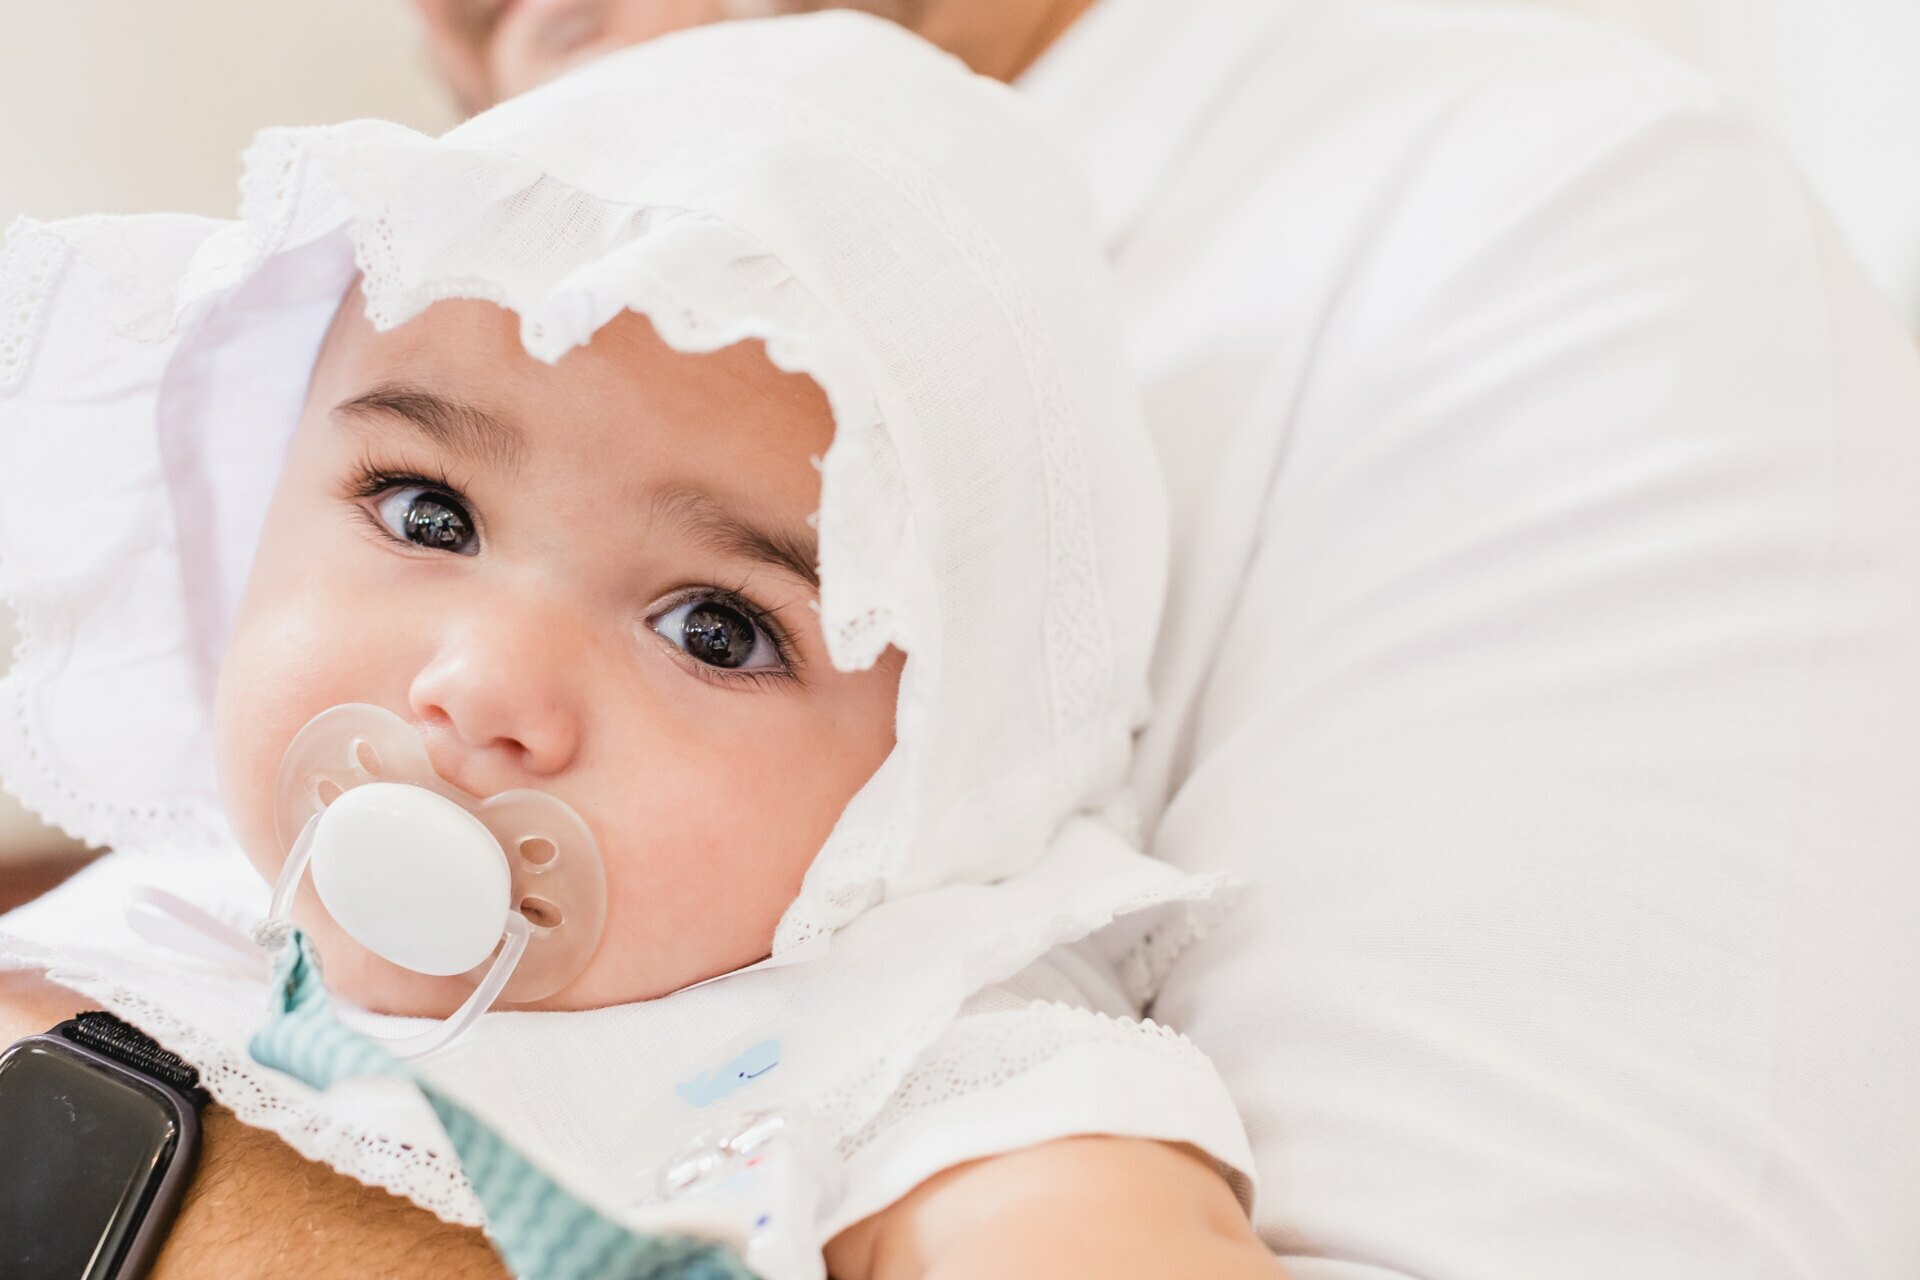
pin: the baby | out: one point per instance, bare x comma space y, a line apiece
725, 441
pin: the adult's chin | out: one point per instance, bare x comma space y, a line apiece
515, 72
536, 40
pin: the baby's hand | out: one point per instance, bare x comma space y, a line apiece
1094, 1206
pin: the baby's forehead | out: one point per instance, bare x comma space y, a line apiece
473, 350
454, 391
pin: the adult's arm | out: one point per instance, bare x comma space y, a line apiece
1567, 715
256, 1208
1121, 1206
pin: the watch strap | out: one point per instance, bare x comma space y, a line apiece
126, 1044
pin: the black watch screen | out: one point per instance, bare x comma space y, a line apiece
91, 1156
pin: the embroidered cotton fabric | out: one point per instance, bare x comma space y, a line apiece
886, 223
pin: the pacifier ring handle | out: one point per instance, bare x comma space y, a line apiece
169, 920
513, 945
292, 871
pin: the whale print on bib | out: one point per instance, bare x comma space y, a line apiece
708, 1088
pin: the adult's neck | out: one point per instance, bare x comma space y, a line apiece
998, 38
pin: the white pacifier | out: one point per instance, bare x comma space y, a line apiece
508, 891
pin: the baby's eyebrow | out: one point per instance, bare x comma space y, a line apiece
454, 425
728, 532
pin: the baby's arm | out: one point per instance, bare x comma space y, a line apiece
1105, 1206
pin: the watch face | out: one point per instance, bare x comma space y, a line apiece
81, 1150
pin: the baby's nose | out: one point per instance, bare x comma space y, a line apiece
496, 705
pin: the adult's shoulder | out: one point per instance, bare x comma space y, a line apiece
1367, 133
1434, 93
1540, 446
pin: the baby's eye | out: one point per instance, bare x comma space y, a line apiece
719, 635
427, 518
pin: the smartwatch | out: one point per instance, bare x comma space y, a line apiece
99, 1134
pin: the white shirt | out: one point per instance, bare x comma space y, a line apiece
1544, 641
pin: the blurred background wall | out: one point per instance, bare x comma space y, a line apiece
132, 105
123, 105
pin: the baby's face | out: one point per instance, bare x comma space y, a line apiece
594, 579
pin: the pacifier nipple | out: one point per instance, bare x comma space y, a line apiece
412, 876
508, 891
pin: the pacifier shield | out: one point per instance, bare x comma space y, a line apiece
400, 864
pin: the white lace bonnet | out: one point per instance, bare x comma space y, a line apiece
891, 225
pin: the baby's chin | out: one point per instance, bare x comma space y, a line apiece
355, 974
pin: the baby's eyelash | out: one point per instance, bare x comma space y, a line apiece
368, 479
767, 679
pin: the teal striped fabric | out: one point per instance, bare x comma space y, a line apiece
541, 1231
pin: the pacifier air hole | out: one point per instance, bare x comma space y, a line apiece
366, 757
538, 851
326, 791
540, 913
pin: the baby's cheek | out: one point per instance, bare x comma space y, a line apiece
728, 854
695, 889
273, 679
709, 848
243, 730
